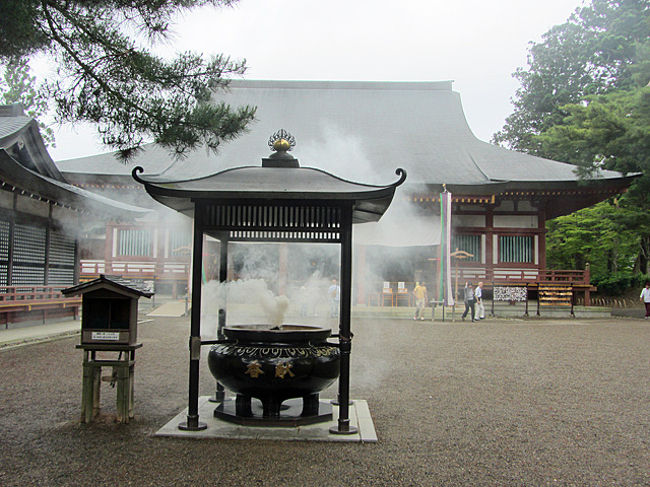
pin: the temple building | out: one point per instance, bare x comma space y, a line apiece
42, 221
361, 131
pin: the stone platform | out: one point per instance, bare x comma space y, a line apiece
217, 428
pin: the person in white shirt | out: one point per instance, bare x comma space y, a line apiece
645, 297
334, 296
478, 294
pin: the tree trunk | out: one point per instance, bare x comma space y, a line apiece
644, 262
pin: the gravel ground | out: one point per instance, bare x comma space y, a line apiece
522, 403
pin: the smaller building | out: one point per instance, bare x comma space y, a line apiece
110, 310
42, 219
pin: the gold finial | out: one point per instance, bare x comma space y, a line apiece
282, 141
281, 145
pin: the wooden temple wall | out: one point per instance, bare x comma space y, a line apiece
38, 258
506, 240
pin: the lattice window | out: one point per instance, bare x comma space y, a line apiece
29, 244
134, 242
4, 240
60, 276
180, 243
468, 243
299, 223
61, 249
28, 255
4, 252
61, 260
516, 248
27, 275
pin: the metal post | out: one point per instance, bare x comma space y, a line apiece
526, 312
192, 423
220, 393
345, 335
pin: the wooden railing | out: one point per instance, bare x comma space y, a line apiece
503, 275
26, 298
90, 269
382, 293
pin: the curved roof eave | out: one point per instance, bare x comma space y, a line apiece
14, 129
258, 183
15, 174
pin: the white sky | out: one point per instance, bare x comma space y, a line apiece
476, 43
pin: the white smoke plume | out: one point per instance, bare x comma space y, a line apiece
251, 300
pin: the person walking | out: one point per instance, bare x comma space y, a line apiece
468, 298
645, 297
334, 296
420, 293
478, 294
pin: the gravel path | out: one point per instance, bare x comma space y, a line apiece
522, 403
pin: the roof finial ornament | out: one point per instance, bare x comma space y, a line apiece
282, 141
444, 187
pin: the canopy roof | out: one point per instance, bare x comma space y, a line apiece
279, 179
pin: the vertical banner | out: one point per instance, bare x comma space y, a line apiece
445, 248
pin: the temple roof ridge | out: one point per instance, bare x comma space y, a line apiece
359, 130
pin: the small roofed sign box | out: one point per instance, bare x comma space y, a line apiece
109, 310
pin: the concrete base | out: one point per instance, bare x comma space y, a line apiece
359, 418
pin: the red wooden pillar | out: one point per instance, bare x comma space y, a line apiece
541, 224
489, 240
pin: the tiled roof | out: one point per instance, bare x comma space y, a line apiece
358, 130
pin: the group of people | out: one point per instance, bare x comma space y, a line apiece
473, 298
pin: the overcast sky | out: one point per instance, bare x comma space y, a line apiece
476, 43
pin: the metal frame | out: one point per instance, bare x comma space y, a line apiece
277, 202
262, 220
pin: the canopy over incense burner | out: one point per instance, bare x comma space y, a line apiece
279, 201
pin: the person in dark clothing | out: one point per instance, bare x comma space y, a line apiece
469, 300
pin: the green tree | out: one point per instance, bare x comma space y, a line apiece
592, 53
107, 76
584, 99
597, 236
610, 131
18, 86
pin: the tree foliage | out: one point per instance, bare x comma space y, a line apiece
106, 75
597, 236
585, 99
610, 131
598, 50
18, 86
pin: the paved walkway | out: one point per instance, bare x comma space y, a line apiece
495, 403
18, 335
15, 337
171, 309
